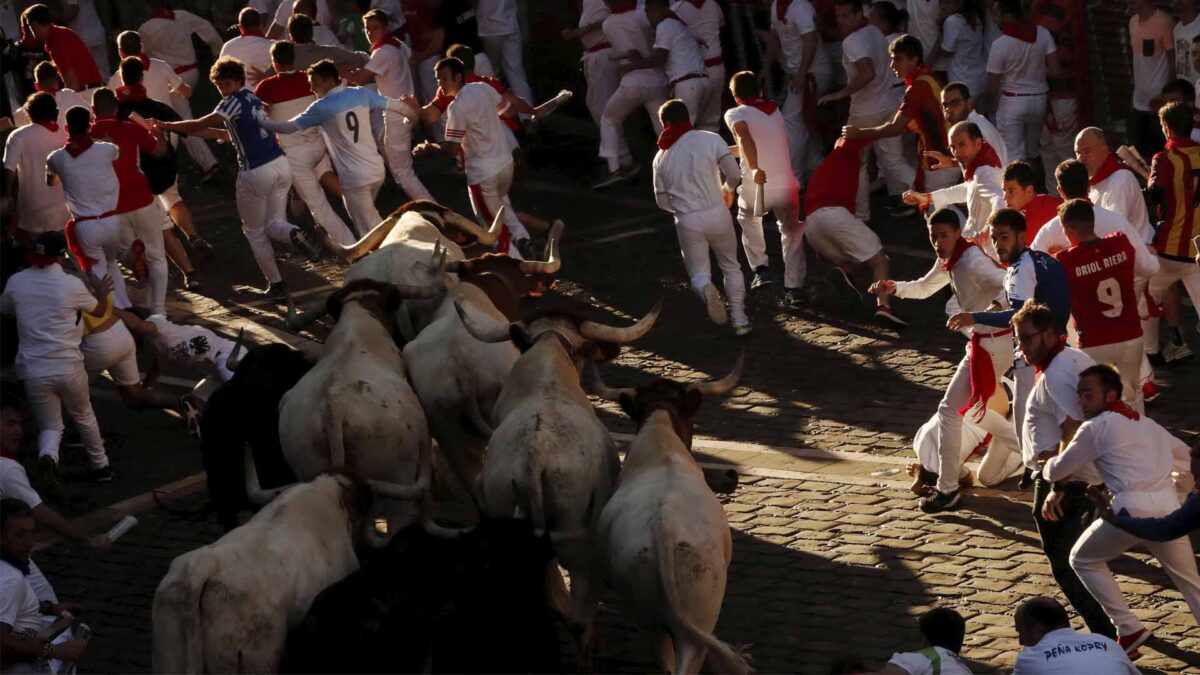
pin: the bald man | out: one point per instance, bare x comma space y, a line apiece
1112, 185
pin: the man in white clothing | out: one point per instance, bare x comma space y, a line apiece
46, 302
977, 282
686, 184
167, 35
500, 34
796, 44
600, 69
1018, 64
1135, 457
959, 106
47, 80
1113, 185
318, 12
158, 77
678, 53
251, 46
1052, 647
39, 207
704, 20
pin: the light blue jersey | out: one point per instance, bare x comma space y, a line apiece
344, 117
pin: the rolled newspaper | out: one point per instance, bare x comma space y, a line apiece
1133, 158
123, 525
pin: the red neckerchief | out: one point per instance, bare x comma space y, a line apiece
986, 157
48, 90
1054, 351
672, 133
52, 125
622, 7
960, 247
78, 143
861, 25
766, 105
1121, 408
1110, 166
1021, 29
781, 8
911, 78
389, 40
131, 92
251, 32
1174, 142
161, 14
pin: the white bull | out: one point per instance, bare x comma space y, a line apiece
663, 540
227, 607
550, 458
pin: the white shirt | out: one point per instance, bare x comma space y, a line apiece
18, 602
704, 23
1021, 65
1122, 193
869, 43
473, 120
324, 36
89, 181
171, 39
1052, 400
394, 11
687, 172
1184, 34
990, 134
497, 17
347, 133
976, 280
286, 8
916, 663
967, 62
770, 137
800, 19
1131, 455
160, 80
392, 69
252, 50
983, 194
683, 52
924, 23
65, 98
592, 11
87, 23
47, 301
192, 346
631, 31
25, 153
1150, 73
1067, 652
1052, 239
14, 483
286, 110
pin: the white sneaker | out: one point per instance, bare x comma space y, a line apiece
1173, 352
716, 305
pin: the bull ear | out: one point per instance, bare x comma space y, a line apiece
605, 351
520, 337
628, 403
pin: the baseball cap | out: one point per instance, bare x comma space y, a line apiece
47, 248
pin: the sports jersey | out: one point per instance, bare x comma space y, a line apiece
344, 115
390, 63
630, 31
770, 137
71, 57
1175, 171
255, 145
289, 94
868, 43
131, 140
1067, 652
922, 105
1103, 302
1039, 211
472, 120
683, 52
704, 20
89, 180
835, 181
1036, 276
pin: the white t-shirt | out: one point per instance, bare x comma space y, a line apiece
1131, 455
1021, 65
171, 39
869, 43
800, 19
87, 23
967, 63
924, 23
1184, 34
159, 81
393, 72
47, 302
473, 119
916, 663
1053, 399
286, 8
25, 152
688, 171
770, 138
1122, 194
592, 11
683, 52
1067, 652
704, 23
65, 98
192, 346
1151, 41
324, 36
497, 17
14, 483
89, 181
18, 602
631, 31
253, 51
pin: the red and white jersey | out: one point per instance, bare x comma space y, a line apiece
252, 50
704, 20
683, 52
630, 31
472, 120
169, 37
1103, 301
25, 152
391, 64
89, 180
286, 95
159, 80
1051, 238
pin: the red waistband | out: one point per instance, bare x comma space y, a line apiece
999, 333
101, 216
689, 76
1009, 93
179, 70
597, 47
714, 61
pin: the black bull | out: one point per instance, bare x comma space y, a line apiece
245, 410
476, 603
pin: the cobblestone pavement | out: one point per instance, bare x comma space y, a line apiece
830, 555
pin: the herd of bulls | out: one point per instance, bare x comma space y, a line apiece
426, 348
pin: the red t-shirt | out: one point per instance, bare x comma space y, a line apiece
922, 105
71, 55
130, 139
1103, 302
835, 181
1039, 211
283, 87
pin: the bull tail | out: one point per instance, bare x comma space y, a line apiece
178, 624
725, 659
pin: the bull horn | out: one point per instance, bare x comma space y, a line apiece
714, 387
553, 263
597, 386
254, 491
297, 320
470, 227
234, 358
600, 332
370, 241
495, 332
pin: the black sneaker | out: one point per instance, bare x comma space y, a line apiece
102, 475
793, 297
762, 277
191, 282
302, 241
1026, 480
630, 171
1156, 359
275, 289
884, 316
842, 280
941, 501
609, 179
47, 469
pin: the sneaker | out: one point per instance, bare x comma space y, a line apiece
191, 282
190, 410
715, 305
842, 280
47, 468
902, 210
941, 501
275, 289
742, 330
303, 242
887, 318
793, 298
210, 174
201, 248
630, 171
609, 179
1176, 352
1149, 391
1026, 479
762, 277
1131, 642
103, 474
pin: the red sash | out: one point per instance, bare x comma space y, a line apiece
982, 373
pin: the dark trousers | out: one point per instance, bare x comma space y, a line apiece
1058, 537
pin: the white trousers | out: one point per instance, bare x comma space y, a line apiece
113, 350
101, 241
1024, 377
803, 154
1058, 138
694, 94
48, 396
505, 53
785, 205
1103, 542
893, 165
623, 101
488, 196
261, 195
712, 229
195, 145
146, 224
397, 151
52, 217
360, 204
308, 162
603, 75
1020, 119
709, 118
958, 392
1000, 461
1127, 357
1170, 271
841, 238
